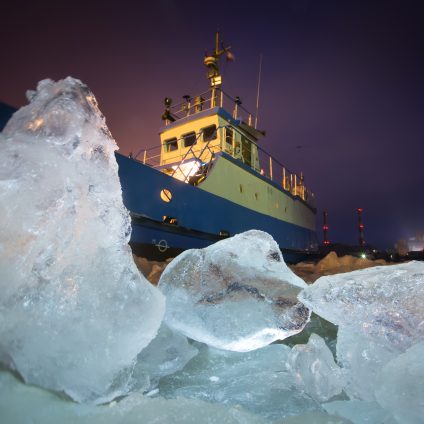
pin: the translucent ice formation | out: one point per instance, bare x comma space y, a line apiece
20, 403
379, 314
258, 381
360, 412
166, 354
400, 387
383, 301
237, 294
315, 418
74, 310
314, 369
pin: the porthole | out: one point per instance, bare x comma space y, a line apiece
166, 195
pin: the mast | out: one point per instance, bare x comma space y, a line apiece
211, 62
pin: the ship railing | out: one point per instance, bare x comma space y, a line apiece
208, 100
291, 181
268, 166
197, 156
150, 156
271, 168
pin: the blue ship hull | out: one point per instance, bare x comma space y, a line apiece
199, 217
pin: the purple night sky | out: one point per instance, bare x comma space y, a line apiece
342, 91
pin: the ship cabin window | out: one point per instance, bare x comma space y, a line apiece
228, 139
171, 144
189, 139
246, 150
209, 133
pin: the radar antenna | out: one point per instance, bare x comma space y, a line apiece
211, 62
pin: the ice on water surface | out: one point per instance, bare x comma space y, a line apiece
166, 354
74, 310
237, 294
360, 412
383, 302
76, 315
314, 369
400, 386
380, 316
258, 381
21, 403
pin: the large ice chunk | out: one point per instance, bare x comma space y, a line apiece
74, 310
379, 314
20, 403
315, 418
362, 358
384, 301
258, 381
237, 294
166, 354
360, 412
400, 388
314, 369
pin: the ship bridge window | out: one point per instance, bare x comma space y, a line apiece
209, 133
228, 139
246, 150
171, 144
189, 139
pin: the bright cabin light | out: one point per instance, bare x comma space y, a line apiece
363, 256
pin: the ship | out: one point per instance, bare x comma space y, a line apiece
209, 179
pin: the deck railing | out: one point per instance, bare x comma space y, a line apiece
208, 100
270, 167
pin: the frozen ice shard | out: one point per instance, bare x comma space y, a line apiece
20, 403
362, 358
237, 294
166, 354
360, 412
258, 381
400, 386
314, 370
74, 310
379, 314
384, 301
315, 418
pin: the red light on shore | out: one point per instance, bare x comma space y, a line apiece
361, 227
325, 228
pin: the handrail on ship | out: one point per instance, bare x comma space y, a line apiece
280, 174
212, 98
